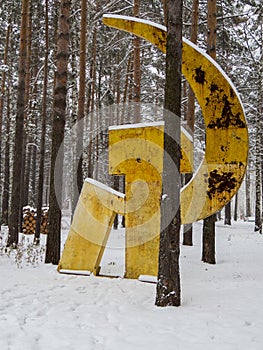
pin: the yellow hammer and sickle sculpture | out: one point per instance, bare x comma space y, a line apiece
137, 152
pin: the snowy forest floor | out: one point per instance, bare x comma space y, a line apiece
222, 304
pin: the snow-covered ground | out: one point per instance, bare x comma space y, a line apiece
222, 305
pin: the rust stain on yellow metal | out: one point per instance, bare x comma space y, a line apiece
137, 153
223, 168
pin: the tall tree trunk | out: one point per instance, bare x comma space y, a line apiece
211, 28
236, 207
28, 158
116, 179
58, 127
258, 199
32, 194
2, 94
81, 106
258, 148
228, 214
19, 132
136, 67
261, 229
208, 254
165, 12
126, 88
168, 290
43, 134
248, 203
190, 115
92, 105
126, 85
27, 151
260, 112
6, 187
208, 251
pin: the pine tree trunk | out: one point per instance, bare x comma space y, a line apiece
6, 187
258, 155
211, 28
126, 85
209, 223
247, 183
58, 127
19, 133
92, 106
25, 172
136, 68
32, 193
43, 134
78, 180
261, 228
228, 214
188, 228
258, 199
2, 94
165, 12
168, 290
236, 207
190, 115
208, 251
260, 109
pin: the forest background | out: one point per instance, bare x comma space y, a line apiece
105, 67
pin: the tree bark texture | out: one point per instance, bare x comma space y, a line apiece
228, 214
93, 68
28, 158
236, 207
43, 134
208, 251
258, 199
209, 223
136, 67
78, 181
211, 28
259, 217
261, 113
25, 172
3, 89
58, 127
165, 12
248, 202
6, 187
19, 132
188, 228
168, 291
190, 114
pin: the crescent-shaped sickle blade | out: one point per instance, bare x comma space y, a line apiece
222, 170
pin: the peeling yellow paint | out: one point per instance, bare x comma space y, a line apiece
137, 153
225, 123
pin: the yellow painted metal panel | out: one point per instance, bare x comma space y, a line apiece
220, 174
132, 144
90, 228
138, 153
